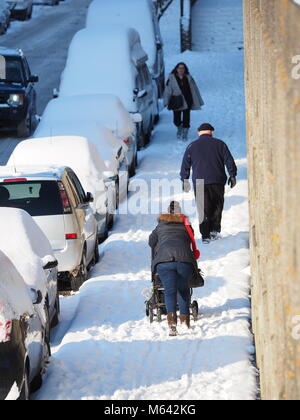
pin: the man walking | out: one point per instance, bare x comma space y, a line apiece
208, 157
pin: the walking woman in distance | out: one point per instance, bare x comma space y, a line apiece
181, 96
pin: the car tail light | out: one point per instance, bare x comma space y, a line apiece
70, 236
64, 198
5, 329
15, 180
126, 141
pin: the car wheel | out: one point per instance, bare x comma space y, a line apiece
24, 128
132, 169
25, 391
77, 281
55, 320
96, 253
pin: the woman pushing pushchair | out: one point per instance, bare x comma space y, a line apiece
176, 263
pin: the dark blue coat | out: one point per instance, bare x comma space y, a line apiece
208, 158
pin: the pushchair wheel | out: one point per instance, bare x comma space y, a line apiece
159, 314
195, 310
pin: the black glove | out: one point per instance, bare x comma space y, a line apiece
232, 181
186, 186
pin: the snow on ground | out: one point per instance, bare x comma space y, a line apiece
105, 347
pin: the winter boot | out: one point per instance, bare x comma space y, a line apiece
185, 321
214, 236
179, 132
185, 133
172, 322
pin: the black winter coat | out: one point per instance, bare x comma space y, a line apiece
208, 158
170, 242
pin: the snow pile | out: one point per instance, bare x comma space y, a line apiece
90, 56
106, 110
73, 151
138, 16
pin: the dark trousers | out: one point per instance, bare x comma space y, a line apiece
182, 118
212, 209
175, 279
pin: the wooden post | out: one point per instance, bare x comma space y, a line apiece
186, 25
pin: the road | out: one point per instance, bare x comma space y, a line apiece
45, 40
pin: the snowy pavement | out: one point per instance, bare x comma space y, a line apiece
105, 347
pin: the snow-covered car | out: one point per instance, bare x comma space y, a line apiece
21, 9
27, 247
61, 208
111, 60
110, 149
106, 110
5, 10
24, 344
140, 15
82, 156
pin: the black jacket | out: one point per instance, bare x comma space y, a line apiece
170, 242
208, 157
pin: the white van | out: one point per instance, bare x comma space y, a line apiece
140, 15
82, 156
111, 60
61, 208
105, 109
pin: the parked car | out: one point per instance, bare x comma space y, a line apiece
31, 253
17, 93
24, 345
21, 9
5, 10
59, 205
107, 110
110, 149
111, 60
82, 156
140, 15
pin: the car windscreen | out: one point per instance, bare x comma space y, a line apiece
11, 70
37, 198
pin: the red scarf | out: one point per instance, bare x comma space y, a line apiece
191, 235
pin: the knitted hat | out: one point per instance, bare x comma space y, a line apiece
174, 208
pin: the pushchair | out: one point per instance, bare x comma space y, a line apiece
155, 306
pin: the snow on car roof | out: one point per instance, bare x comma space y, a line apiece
136, 13
14, 297
75, 152
105, 109
103, 61
24, 243
105, 141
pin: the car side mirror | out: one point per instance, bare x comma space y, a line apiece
33, 79
89, 197
55, 93
49, 263
159, 45
36, 296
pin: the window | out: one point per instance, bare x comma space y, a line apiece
77, 185
37, 198
11, 70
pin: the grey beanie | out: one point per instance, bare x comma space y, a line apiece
174, 208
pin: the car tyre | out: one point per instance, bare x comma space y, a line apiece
24, 128
25, 391
77, 281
